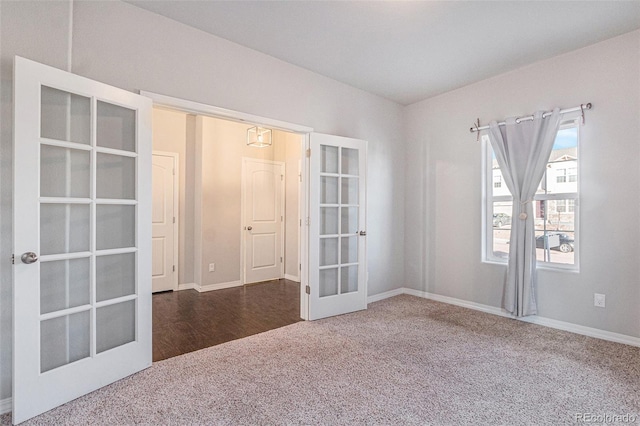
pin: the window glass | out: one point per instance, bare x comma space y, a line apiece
555, 233
561, 176
555, 206
501, 224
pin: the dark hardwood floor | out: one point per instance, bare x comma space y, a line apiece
185, 321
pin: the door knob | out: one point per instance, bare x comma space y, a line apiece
363, 233
29, 257
249, 228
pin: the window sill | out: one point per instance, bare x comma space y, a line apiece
574, 269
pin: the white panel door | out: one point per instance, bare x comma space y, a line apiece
82, 226
263, 228
337, 228
163, 269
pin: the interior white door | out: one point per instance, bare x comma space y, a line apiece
263, 228
82, 226
337, 228
163, 268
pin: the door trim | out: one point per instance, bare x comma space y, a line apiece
243, 195
176, 211
198, 108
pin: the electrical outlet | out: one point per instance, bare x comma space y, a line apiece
212, 267
599, 300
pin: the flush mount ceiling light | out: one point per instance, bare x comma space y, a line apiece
259, 137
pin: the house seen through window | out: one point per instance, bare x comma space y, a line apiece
555, 205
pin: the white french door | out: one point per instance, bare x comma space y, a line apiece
82, 246
263, 213
337, 228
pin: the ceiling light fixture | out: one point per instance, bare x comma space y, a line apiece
259, 137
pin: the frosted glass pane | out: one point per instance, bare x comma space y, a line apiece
65, 116
349, 253
328, 282
349, 161
349, 190
348, 279
115, 276
328, 220
115, 325
64, 228
64, 172
328, 190
328, 251
116, 177
328, 159
115, 226
64, 284
116, 127
64, 340
349, 218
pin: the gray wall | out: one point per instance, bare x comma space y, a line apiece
444, 198
133, 49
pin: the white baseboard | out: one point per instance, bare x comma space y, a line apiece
581, 329
385, 295
5, 405
458, 302
186, 286
546, 322
292, 278
219, 286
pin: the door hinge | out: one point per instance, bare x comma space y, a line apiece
300, 266
300, 222
13, 259
173, 172
307, 289
280, 259
281, 177
281, 218
308, 152
174, 268
300, 176
174, 219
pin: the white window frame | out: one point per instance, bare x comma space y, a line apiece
488, 199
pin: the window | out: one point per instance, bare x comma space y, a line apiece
562, 176
555, 205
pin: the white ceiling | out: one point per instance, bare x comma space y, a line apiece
407, 51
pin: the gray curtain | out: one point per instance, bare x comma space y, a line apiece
522, 151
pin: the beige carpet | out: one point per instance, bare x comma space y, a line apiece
403, 361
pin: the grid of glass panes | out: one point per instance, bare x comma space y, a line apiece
87, 227
339, 213
555, 204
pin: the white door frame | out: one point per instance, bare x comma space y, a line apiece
198, 108
176, 210
243, 247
